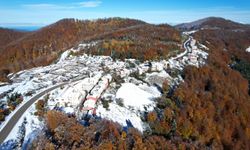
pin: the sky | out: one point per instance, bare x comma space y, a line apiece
44, 12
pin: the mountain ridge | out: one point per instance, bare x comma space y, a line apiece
43, 46
212, 23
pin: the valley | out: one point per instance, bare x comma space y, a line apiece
124, 82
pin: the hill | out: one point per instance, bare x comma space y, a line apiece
8, 35
42, 47
215, 98
228, 39
211, 23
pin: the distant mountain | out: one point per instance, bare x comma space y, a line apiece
24, 28
211, 23
227, 39
43, 46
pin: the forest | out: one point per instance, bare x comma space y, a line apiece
44, 46
209, 110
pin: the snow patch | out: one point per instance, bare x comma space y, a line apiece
33, 123
121, 115
203, 46
190, 32
248, 49
134, 96
64, 56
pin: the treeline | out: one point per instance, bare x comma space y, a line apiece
210, 109
44, 46
63, 132
144, 43
226, 44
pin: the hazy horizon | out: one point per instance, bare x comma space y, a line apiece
33, 26
41, 13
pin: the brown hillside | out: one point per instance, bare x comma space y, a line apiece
8, 35
226, 43
44, 46
141, 42
213, 102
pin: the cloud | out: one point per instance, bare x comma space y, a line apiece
49, 6
38, 5
90, 3
46, 6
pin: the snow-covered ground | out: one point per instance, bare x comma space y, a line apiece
190, 32
135, 100
71, 95
33, 123
121, 115
26, 129
136, 97
129, 98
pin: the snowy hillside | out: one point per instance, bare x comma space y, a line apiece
99, 86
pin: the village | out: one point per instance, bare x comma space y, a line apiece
98, 86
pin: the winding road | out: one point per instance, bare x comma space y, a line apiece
187, 47
6, 129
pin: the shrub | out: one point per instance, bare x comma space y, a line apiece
165, 87
54, 119
119, 101
130, 65
151, 117
46, 98
6, 112
105, 104
64, 132
135, 75
13, 100
12, 107
40, 105
163, 102
2, 116
117, 79
40, 110
185, 130
30, 93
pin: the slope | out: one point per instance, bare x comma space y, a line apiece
8, 35
42, 47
